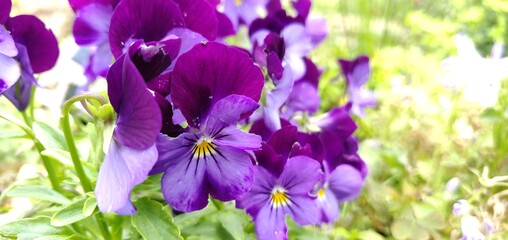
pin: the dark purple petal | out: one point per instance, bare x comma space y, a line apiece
78, 4
225, 26
345, 182
270, 223
229, 110
270, 160
229, 173
122, 169
189, 40
259, 194
300, 175
9, 72
139, 117
149, 20
356, 71
273, 7
314, 142
92, 24
40, 42
209, 72
200, 17
282, 140
7, 44
5, 10
21, 93
273, 22
260, 128
183, 183
302, 7
338, 119
234, 137
168, 126
306, 210
328, 205
153, 58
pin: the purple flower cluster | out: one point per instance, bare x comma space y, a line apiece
26, 48
183, 99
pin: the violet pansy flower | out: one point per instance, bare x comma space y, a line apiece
283, 185
357, 73
132, 151
217, 87
26, 48
242, 11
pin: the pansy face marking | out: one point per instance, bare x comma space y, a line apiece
279, 197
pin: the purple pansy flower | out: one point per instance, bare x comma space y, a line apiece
357, 73
283, 185
242, 11
29, 48
305, 96
132, 152
217, 86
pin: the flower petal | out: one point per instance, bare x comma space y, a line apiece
149, 20
305, 210
270, 223
78, 4
200, 17
270, 160
139, 118
209, 72
234, 137
9, 72
20, 95
300, 175
329, 207
229, 173
5, 10
356, 71
345, 182
228, 111
41, 44
92, 24
122, 169
7, 44
259, 194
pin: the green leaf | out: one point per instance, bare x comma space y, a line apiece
90, 205
153, 221
36, 192
58, 155
70, 213
48, 136
31, 228
234, 221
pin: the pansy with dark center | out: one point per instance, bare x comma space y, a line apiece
215, 86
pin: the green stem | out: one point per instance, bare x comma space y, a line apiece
55, 183
66, 128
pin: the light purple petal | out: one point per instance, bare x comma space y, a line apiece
5, 10
199, 17
277, 97
345, 182
92, 24
329, 207
7, 44
234, 137
229, 110
169, 150
183, 183
229, 173
300, 175
317, 29
356, 71
304, 97
101, 60
149, 20
209, 72
9, 72
305, 210
122, 169
21, 93
259, 194
270, 223
41, 44
189, 40
139, 117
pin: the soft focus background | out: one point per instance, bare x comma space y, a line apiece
438, 134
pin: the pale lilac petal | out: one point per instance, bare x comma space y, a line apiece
259, 194
329, 207
345, 182
101, 60
317, 29
270, 223
122, 169
229, 173
234, 137
41, 43
92, 24
9, 72
300, 175
305, 211
7, 44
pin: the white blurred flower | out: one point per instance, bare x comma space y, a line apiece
461, 207
452, 185
470, 228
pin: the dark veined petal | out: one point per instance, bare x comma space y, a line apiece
209, 72
5, 10
300, 175
200, 17
7, 44
234, 137
139, 118
21, 93
271, 223
149, 20
9, 72
229, 173
92, 24
228, 111
345, 182
40, 42
122, 169
183, 183
259, 194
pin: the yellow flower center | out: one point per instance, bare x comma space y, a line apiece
279, 197
238, 2
321, 194
203, 147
